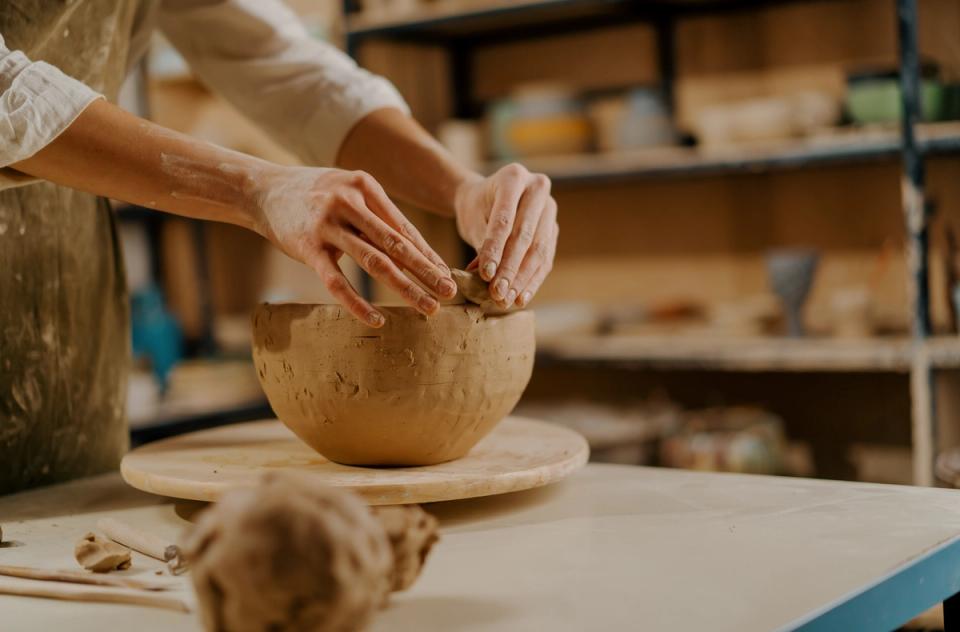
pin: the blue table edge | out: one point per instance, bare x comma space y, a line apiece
894, 599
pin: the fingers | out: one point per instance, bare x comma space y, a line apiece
510, 187
530, 213
434, 267
534, 286
379, 266
538, 258
325, 265
400, 249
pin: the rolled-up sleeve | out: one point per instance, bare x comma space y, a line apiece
305, 93
37, 102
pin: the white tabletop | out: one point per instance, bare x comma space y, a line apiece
612, 548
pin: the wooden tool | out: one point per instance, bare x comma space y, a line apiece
31, 588
79, 577
519, 454
146, 543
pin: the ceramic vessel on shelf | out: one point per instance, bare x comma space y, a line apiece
537, 120
735, 439
634, 120
791, 275
765, 119
417, 391
873, 96
853, 312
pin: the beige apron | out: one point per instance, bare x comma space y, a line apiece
64, 320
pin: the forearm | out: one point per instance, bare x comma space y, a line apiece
109, 152
409, 163
313, 215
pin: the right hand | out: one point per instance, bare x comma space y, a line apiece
316, 215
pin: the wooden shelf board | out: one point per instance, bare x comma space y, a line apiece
848, 146
753, 354
464, 17
944, 352
475, 18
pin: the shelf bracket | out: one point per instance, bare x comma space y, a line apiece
923, 401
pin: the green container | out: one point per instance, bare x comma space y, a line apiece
878, 100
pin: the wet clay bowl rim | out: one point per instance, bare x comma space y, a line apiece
418, 391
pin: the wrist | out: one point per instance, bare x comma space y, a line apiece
257, 180
467, 181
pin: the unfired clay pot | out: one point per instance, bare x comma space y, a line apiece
417, 391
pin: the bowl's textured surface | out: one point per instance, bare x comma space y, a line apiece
418, 391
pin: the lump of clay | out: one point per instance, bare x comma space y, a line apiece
471, 288
101, 555
288, 555
412, 533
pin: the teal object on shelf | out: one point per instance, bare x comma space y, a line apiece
156, 333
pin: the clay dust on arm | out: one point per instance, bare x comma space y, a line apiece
313, 215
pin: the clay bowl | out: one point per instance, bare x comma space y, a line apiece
417, 391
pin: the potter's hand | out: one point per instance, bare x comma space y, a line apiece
315, 215
511, 219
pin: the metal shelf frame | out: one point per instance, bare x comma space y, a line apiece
916, 216
461, 33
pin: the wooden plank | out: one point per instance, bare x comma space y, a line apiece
748, 354
467, 17
842, 145
943, 352
705, 540
898, 355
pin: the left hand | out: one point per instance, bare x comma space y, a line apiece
511, 219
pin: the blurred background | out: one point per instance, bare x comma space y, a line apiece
736, 287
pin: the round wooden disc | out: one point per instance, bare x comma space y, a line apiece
519, 454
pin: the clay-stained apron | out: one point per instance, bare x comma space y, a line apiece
64, 320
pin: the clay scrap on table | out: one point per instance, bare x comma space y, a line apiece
471, 288
288, 554
101, 555
412, 533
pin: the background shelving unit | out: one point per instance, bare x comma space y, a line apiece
848, 148
463, 27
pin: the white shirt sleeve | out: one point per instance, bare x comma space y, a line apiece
305, 93
37, 102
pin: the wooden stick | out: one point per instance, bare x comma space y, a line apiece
146, 543
78, 577
30, 588
130, 536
